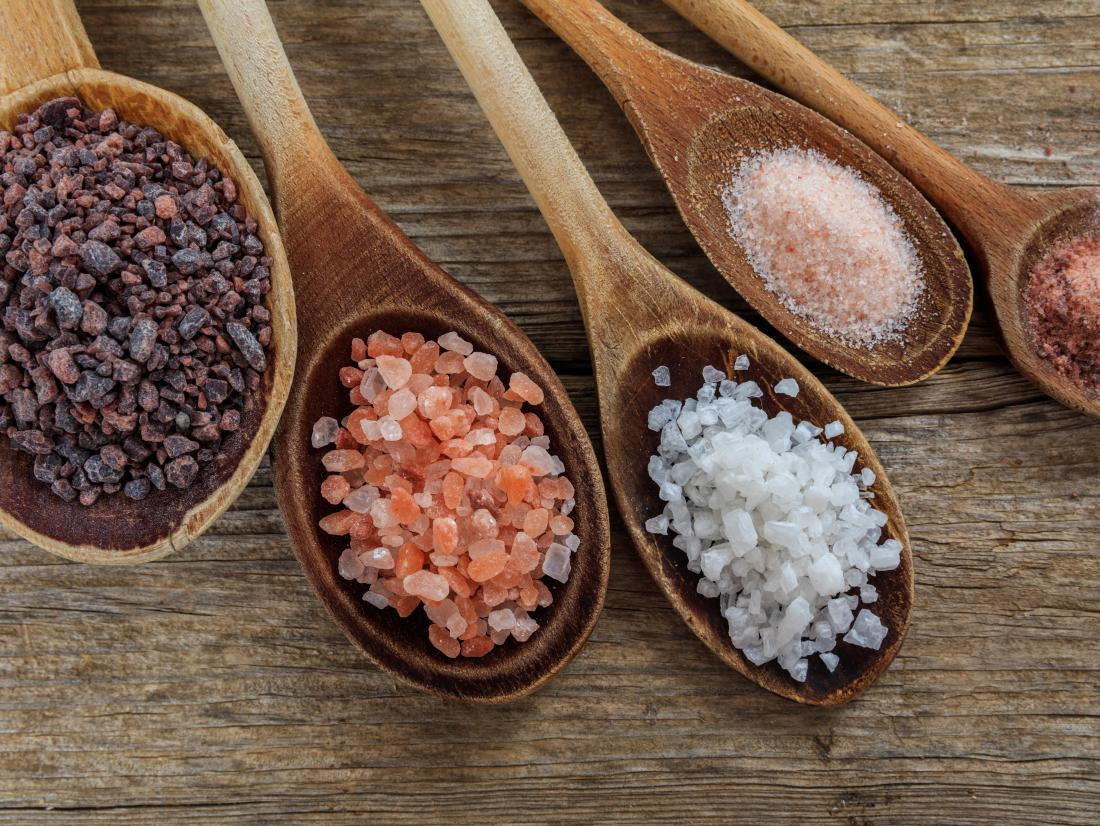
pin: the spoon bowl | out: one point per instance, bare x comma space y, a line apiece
1007, 230
357, 272
116, 529
698, 124
716, 337
639, 316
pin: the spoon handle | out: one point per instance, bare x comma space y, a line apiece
577, 214
280, 119
39, 39
621, 57
970, 200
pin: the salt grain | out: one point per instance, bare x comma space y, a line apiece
662, 377
787, 387
826, 243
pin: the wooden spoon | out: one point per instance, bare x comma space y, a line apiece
357, 272
1008, 230
697, 124
639, 316
45, 54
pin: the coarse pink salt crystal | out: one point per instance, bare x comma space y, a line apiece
411, 342
427, 585
522, 386
482, 402
441, 638
477, 466
456, 343
826, 243
536, 521
402, 403
511, 421
383, 344
481, 366
395, 371
450, 362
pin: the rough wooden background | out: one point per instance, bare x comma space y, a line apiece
211, 687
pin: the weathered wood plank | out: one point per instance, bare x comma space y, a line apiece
210, 687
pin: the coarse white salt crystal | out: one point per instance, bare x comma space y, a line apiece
867, 630
741, 362
788, 387
771, 519
390, 429
658, 525
824, 241
833, 429
868, 477
712, 375
662, 377
556, 563
831, 661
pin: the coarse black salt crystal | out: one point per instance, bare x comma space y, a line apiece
250, 348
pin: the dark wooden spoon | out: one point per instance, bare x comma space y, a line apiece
697, 124
1009, 230
45, 54
639, 316
357, 272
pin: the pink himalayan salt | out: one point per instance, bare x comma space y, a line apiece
826, 243
1062, 305
481, 366
437, 498
395, 371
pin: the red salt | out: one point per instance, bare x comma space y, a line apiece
1062, 306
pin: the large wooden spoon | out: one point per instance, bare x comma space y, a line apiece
697, 124
1008, 230
357, 272
44, 54
639, 316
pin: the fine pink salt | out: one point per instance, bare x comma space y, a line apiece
825, 242
448, 492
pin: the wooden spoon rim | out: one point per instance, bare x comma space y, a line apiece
179, 531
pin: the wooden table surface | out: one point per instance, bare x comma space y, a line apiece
211, 686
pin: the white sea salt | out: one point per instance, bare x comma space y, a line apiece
788, 387
772, 519
741, 363
662, 377
833, 429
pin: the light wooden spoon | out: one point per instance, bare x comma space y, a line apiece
44, 54
357, 272
697, 124
1008, 230
639, 316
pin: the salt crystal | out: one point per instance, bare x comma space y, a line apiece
481, 366
455, 342
867, 631
833, 429
556, 563
324, 431
376, 599
712, 375
662, 377
389, 429
831, 661
741, 363
788, 387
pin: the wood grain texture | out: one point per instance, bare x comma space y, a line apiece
212, 688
